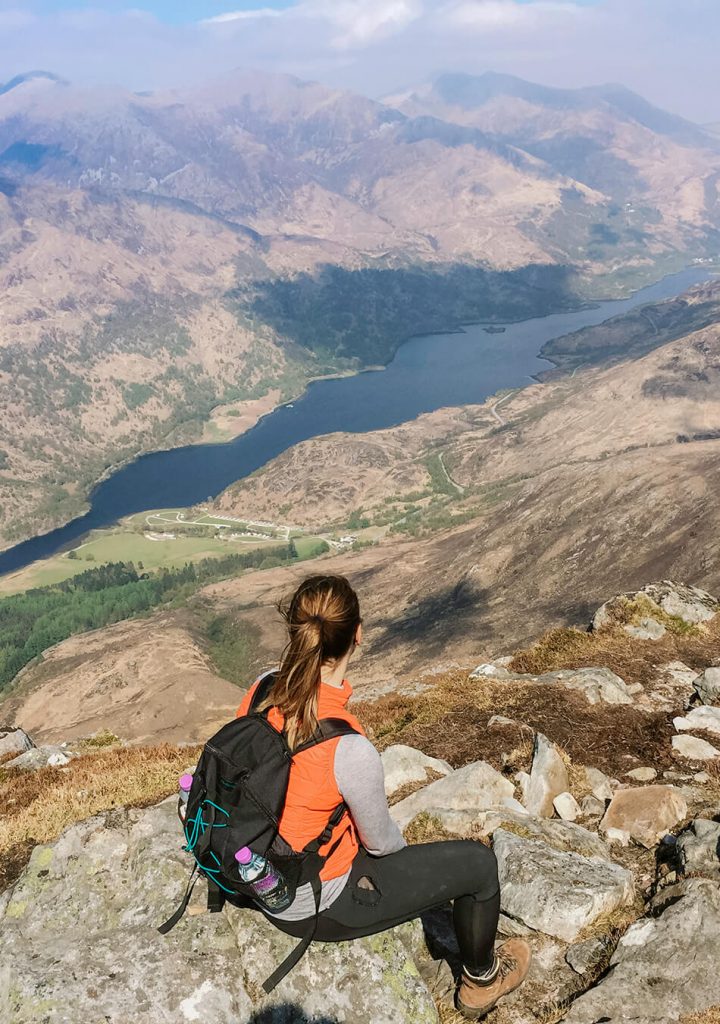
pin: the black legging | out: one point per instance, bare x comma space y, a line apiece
410, 882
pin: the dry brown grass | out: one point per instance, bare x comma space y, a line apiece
614, 923
426, 828
103, 738
635, 661
38, 805
447, 1014
709, 1016
412, 787
450, 721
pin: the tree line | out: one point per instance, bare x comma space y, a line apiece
32, 622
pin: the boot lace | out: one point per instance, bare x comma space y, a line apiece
506, 964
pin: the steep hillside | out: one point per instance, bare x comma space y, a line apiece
480, 524
165, 253
660, 170
148, 680
600, 479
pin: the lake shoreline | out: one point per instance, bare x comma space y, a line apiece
278, 434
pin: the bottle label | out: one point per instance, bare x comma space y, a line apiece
264, 886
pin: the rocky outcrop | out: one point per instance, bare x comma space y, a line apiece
664, 967
692, 748
704, 718
566, 807
600, 685
548, 778
39, 757
13, 739
457, 800
601, 786
565, 836
645, 813
672, 687
707, 686
404, 765
489, 670
699, 848
585, 956
667, 599
78, 943
557, 893
691, 604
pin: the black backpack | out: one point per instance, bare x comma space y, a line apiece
236, 799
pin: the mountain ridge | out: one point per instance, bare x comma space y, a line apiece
149, 243
470, 91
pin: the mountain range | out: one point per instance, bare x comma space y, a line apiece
163, 253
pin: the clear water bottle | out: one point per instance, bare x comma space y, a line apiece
267, 884
185, 783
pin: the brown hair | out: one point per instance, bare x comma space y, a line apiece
322, 617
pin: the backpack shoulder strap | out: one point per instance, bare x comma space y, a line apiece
263, 689
328, 729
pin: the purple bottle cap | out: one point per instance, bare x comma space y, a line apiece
186, 782
244, 855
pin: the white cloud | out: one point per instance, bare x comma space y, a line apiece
358, 23
231, 16
494, 14
660, 48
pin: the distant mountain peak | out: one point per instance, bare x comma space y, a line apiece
31, 76
468, 92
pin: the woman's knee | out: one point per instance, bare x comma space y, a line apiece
484, 870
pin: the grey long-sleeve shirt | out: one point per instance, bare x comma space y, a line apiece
361, 781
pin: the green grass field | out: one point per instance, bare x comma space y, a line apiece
124, 544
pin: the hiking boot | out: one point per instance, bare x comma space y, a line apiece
474, 998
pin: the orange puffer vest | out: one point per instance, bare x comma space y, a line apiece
312, 793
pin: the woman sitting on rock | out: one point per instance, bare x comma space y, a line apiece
371, 879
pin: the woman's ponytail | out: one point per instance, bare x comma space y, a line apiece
322, 617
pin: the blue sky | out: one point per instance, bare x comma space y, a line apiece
170, 11
183, 11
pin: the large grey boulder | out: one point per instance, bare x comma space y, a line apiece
690, 604
547, 780
678, 600
698, 847
707, 686
672, 687
599, 685
664, 967
646, 813
565, 836
14, 740
79, 944
559, 894
693, 748
647, 628
701, 719
601, 786
488, 670
40, 757
458, 799
403, 765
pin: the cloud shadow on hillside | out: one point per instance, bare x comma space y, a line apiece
434, 622
365, 314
